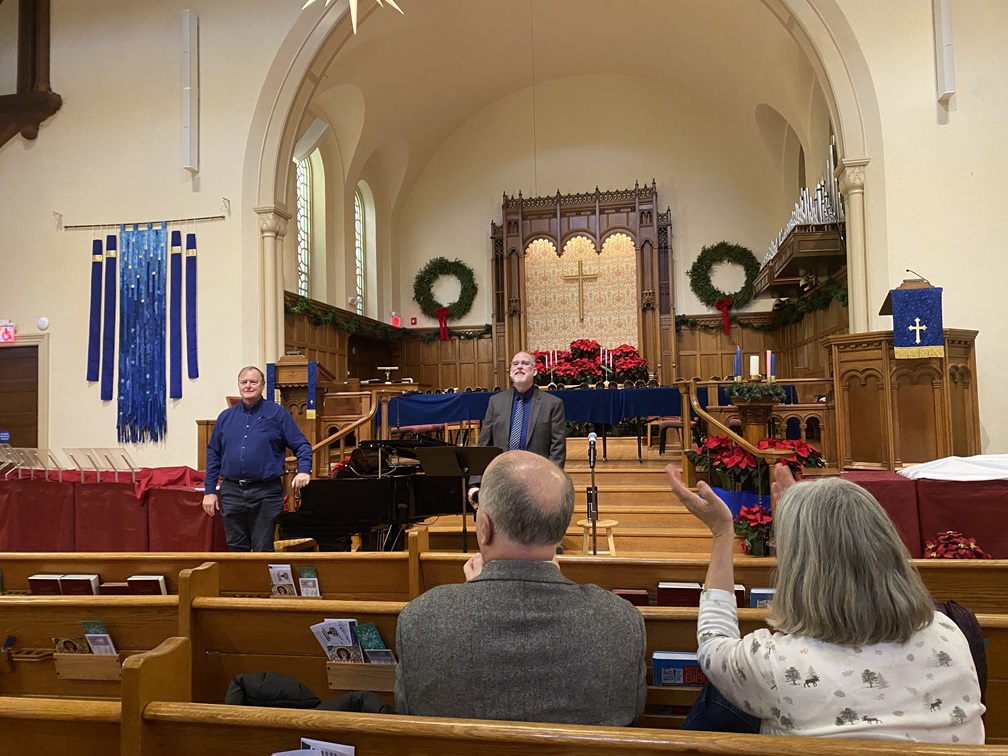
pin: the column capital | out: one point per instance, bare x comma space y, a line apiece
851, 174
272, 221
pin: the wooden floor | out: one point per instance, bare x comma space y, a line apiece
633, 492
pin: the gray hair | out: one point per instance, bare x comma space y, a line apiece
529, 499
249, 368
843, 574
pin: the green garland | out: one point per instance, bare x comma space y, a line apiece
750, 391
793, 312
423, 287
700, 278
468, 334
338, 319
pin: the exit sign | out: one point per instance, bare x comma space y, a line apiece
7, 332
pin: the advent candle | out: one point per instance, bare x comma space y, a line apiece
773, 365
738, 361
769, 356
753, 365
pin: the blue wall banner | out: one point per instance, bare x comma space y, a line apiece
917, 323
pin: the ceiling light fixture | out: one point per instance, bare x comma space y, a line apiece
353, 9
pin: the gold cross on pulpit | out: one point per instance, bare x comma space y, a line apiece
917, 327
581, 277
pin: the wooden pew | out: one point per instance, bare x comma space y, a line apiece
159, 720
136, 623
59, 725
980, 584
379, 576
232, 636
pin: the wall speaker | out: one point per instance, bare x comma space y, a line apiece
190, 91
944, 53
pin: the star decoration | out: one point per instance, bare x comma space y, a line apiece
353, 9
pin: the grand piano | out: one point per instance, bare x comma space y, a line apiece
377, 495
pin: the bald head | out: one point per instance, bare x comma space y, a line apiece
529, 499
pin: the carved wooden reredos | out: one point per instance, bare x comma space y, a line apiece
596, 265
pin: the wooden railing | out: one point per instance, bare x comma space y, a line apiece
689, 399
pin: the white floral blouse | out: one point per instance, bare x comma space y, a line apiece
925, 690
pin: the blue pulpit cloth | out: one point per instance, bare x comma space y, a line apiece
917, 323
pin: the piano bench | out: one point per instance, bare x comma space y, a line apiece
296, 544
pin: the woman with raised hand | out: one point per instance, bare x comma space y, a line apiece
856, 648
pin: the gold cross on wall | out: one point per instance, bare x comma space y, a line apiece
581, 277
917, 327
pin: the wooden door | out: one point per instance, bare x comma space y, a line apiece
19, 398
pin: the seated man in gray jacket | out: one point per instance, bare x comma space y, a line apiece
518, 640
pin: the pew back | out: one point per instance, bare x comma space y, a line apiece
135, 623
59, 725
378, 576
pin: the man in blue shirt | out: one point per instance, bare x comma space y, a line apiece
246, 453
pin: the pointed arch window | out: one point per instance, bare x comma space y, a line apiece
304, 225
359, 249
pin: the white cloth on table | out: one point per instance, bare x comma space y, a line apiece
980, 467
926, 690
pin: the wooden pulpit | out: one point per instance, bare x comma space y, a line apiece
892, 413
291, 378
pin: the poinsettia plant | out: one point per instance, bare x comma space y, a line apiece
753, 526
741, 469
585, 348
805, 455
954, 545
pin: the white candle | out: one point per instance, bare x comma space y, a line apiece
753, 365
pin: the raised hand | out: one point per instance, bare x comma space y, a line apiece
705, 505
783, 479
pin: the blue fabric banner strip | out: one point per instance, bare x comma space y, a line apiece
109, 320
918, 330
175, 317
142, 404
270, 380
190, 287
94, 313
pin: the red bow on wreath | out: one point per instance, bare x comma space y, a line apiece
442, 319
723, 304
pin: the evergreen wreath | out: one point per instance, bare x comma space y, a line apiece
423, 285
700, 274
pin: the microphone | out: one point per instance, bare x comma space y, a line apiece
591, 449
916, 274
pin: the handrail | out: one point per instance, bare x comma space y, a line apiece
340, 435
685, 388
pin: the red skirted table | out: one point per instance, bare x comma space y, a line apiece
160, 511
898, 496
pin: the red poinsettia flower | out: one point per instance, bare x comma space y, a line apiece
954, 545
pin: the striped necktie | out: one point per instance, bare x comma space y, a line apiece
517, 415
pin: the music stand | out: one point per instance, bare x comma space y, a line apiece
457, 462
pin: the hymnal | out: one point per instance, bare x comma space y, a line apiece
636, 596
760, 598
147, 585
673, 668
72, 645
308, 581
79, 585
678, 594
739, 595
282, 580
114, 588
45, 585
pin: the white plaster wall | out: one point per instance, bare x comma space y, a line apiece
946, 190
112, 154
709, 165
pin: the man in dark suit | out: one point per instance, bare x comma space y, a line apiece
519, 641
523, 417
